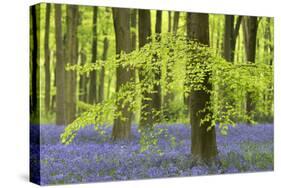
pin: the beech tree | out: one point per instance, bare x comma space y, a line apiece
34, 63
203, 142
144, 27
121, 20
231, 32
71, 59
47, 59
250, 28
60, 71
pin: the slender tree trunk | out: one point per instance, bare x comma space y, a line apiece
47, 59
231, 31
169, 21
146, 120
34, 103
203, 142
71, 55
157, 87
133, 45
250, 27
134, 28
60, 72
53, 71
169, 96
230, 35
83, 80
176, 22
34, 63
93, 75
104, 55
121, 20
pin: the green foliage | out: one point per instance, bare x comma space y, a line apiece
192, 63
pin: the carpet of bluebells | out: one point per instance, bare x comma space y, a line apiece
92, 157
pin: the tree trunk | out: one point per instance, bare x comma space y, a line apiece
169, 21
34, 105
169, 96
230, 35
203, 142
250, 27
83, 80
71, 55
53, 84
93, 75
121, 20
104, 56
60, 72
133, 45
146, 120
176, 22
134, 29
157, 87
47, 59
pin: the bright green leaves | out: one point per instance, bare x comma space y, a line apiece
191, 66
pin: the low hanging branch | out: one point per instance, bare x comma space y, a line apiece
239, 77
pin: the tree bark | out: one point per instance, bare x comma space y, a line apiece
47, 59
250, 28
176, 22
157, 87
71, 55
203, 142
230, 35
121, 20
34, 105
93, 75
104, 56
134, 29
144, 28
169, 21
60, 72
83, 80
169, 96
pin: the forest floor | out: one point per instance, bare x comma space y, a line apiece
92, 157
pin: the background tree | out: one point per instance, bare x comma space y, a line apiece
35, 53
231, 32
83, 79
104, 53
176, 22
60, 72
47, 59
71, 59
93, 97
250, 28
121, 20
146, 120
157, 87
203, 142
